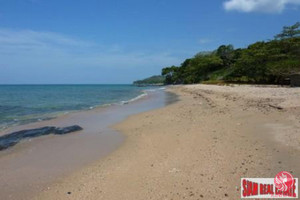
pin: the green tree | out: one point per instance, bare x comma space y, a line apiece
262, 62
226, 53
289, 31
170, 74
201, 67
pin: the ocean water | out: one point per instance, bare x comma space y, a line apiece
21, 104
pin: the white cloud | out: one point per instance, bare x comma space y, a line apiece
267, 6
34, 39
36, 53
205, 41
48, 45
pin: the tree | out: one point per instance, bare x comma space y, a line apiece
226, 53
170, 74
153, 80
269, 62
201, 67
225, 50
289, 31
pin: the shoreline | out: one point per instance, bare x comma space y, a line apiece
58, 114
198, 147
33, 165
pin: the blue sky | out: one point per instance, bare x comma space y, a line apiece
119, 41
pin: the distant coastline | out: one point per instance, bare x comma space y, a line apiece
156, 80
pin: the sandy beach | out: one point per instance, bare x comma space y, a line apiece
149, 100
197, 148
33, 164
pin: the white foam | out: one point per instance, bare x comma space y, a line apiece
134, 99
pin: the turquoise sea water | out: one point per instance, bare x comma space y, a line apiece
20, 104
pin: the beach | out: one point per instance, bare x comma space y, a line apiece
196, 148
35, 163
149, 100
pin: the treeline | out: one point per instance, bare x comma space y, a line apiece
270, 62
153, 80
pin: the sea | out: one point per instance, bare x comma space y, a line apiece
22, 104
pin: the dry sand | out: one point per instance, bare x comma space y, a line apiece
197, 148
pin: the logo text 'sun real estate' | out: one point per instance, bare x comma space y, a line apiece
284, 185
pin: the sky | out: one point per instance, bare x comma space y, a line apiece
119, 41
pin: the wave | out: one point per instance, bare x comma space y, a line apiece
14, 115
145, 93
154, 90
134, 99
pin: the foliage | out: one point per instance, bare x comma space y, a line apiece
262, 62
153, 80
289, 31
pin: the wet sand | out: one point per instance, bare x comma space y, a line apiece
198, 148
31, 166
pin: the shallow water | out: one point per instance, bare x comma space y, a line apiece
21, 104
31, 166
